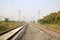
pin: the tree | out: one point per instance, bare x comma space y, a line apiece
51, 18
6, 19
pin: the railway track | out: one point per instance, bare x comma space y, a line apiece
11, 35
30, 32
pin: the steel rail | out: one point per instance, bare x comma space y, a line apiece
11, 33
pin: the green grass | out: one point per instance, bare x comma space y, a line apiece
54, 26
4, 26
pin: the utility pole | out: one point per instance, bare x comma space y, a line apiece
19, 15
34, 18
38, 14
0, 18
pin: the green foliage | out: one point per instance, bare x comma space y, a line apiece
6, 19
54, 26
51, 18
4, 26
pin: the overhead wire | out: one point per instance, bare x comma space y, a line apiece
11, 1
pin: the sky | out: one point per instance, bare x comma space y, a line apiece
28, 9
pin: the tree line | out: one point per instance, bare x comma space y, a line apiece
51, 18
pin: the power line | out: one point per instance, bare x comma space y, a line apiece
16, 8
13, 4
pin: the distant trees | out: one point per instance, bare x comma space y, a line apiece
51, 18
6, 19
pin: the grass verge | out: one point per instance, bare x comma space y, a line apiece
4, 26
54, 26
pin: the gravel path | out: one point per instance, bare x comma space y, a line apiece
34, 33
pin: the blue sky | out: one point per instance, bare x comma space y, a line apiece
28, 8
